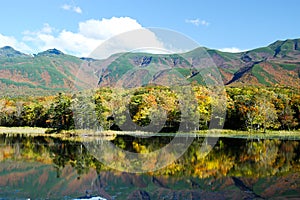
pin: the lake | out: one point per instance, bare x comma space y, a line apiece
40, 167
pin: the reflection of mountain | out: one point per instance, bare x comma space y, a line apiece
25, 179
234, 169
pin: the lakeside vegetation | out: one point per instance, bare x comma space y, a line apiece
255, 109
80, 135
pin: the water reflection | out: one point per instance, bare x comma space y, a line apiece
46, 167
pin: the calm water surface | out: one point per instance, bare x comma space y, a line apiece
53, 168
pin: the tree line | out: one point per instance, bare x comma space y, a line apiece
247, 108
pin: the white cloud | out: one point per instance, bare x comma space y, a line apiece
94, 33
138, 40
197, 22
231, 50
69, 7
66, 7
66, 41
11, 41
90, 35
47, 29
77, 9
105, 28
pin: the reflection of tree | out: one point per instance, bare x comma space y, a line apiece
259, 157
49, 150
75, 154
268, 157
217, 163
229, 157
237, 158
287, 156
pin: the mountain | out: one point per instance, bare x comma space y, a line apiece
52, 71
47, 72
278, 63
9, 52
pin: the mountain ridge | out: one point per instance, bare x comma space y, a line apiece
53, 70
8, 51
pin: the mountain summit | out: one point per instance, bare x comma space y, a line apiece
10, 52
50, 52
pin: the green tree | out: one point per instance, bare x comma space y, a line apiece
33, 114
204, 106
266, 116
84, 111
61, 113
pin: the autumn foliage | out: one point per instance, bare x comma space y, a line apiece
247, 108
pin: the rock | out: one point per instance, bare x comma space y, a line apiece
139, 195
142, 61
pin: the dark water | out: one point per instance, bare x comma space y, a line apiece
53, 168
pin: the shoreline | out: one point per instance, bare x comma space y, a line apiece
36, 131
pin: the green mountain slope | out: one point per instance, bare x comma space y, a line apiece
48, 71
52, 71
278, 63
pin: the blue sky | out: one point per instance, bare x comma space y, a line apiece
73, 25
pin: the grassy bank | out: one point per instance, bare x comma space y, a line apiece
35, 131
293, 135
22, 130
75, 135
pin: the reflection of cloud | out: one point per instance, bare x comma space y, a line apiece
197, 22
90, 35
232, 50
69, 7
